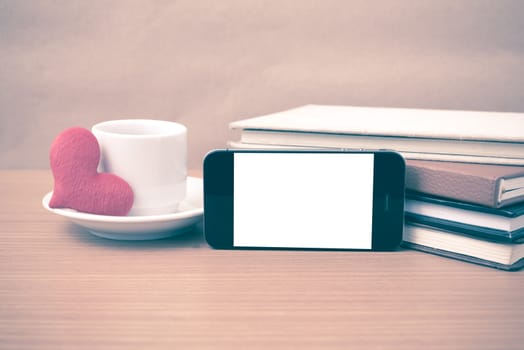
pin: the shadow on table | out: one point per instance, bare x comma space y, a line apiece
190, 239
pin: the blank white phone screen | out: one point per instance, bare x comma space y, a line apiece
303, 200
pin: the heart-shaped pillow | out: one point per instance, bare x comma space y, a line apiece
74, 158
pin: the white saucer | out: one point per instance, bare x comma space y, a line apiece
190, 213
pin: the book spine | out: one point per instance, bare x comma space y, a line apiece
456, 186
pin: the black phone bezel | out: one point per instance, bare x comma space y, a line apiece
388, 198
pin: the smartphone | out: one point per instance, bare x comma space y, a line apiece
318, 199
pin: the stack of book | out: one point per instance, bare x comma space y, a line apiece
465, 170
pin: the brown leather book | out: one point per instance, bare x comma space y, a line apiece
489, 185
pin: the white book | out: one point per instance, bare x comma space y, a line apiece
408, 155
483, 137
403, 122
506, 256
500, 224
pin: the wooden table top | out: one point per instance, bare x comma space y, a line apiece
63, 288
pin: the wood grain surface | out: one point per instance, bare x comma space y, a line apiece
62, 288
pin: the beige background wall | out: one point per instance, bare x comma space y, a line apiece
206, 63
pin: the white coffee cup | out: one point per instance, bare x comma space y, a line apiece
151, 155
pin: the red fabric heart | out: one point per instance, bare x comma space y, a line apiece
74, 158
